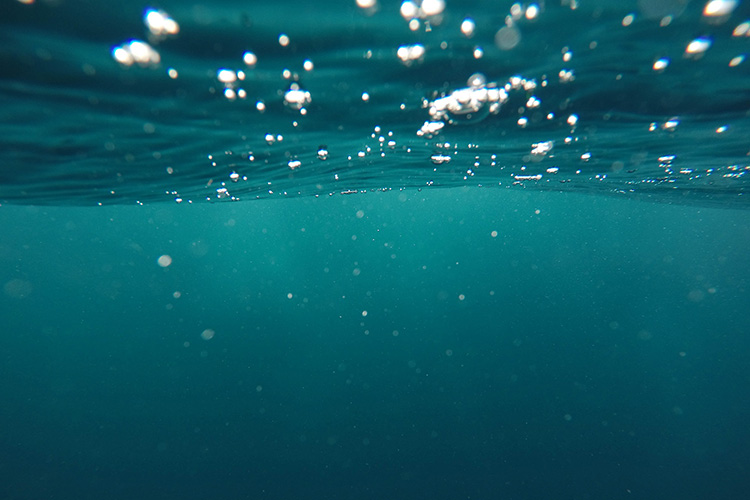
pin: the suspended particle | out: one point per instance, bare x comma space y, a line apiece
661, 64
467, 27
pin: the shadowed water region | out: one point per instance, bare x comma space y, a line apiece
364, 249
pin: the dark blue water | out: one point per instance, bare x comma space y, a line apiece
478, 250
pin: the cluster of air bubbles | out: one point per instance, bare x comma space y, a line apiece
136, 52
416, 11
474, 102
542, 149
231, 80
408, 54
297, 98
160, 26
509, 35
566, 75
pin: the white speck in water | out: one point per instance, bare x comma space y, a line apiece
719, 8
226, 76
250, 58
697, 47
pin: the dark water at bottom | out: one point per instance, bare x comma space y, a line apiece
446, 344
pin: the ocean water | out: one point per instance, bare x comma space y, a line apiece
374, 250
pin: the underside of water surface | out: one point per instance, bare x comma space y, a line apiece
125, 103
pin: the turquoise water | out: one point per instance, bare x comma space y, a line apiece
506, 262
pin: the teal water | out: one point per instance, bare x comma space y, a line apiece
595, 349
494, 309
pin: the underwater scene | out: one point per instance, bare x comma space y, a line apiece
372, 249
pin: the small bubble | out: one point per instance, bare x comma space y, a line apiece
410, 53
249, 58
719, 8
208, 334
661, 64
697, 47
532, 11
409, 10
477, 81
296, 97
439, 159
566, 76
432, 7
159, 23
164, 260
226, 76
507, 38
671, 124
742, 29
